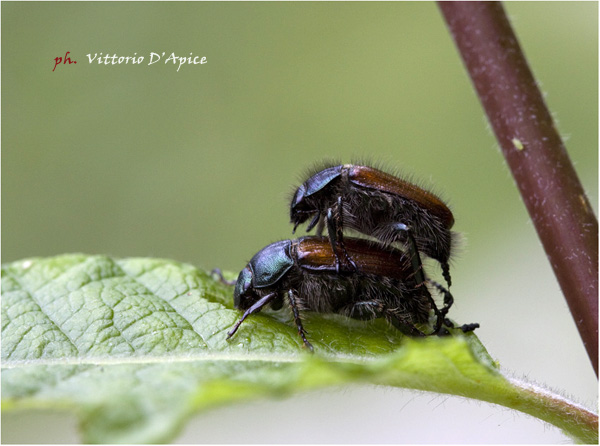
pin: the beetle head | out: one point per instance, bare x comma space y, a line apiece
264, 272
244, 295
308, 200
302, 207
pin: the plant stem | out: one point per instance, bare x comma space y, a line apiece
535, 154
575, 420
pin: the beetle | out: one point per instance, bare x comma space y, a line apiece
380, 283
378, 204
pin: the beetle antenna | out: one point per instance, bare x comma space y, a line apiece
219, 274
253, 309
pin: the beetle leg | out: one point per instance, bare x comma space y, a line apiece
419, 275
440, 314
406, 327
219, 274
320, 226
253, 309
466, 328
313, 222
364, 310
415, 258
335, 228
448, 298
446, 273
372, 309
448, 301
333, 239
297, 319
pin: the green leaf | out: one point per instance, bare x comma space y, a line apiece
135, 347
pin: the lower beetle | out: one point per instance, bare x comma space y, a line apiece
380, 282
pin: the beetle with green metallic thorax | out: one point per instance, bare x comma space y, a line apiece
306, 274
378, 204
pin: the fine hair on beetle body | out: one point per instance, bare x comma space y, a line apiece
370, 201
304, 274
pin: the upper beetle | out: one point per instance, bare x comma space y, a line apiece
376, 203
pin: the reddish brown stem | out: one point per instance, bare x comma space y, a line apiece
535, 154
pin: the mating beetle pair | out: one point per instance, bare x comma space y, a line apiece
355, 277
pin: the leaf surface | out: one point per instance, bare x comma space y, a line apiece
135, 347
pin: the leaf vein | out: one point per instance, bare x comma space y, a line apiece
31, 295
154, 293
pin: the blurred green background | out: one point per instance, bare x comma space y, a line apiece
198, 165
